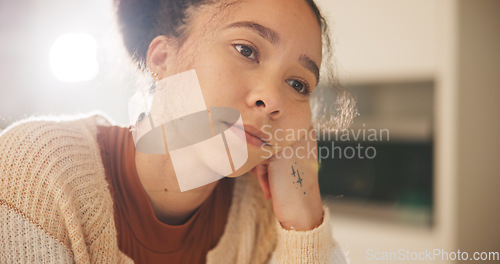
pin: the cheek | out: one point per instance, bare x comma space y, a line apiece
219, 80
299, 115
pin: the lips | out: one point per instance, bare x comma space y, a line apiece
253, 135
255, 132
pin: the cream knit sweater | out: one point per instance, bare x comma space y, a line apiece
55, 206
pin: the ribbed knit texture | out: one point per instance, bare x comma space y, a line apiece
56, 207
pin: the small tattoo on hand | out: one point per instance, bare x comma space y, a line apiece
300, 179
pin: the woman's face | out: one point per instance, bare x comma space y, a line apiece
260, 57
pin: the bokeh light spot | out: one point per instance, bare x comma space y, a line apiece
73, 57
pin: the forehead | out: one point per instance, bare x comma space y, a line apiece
293, 20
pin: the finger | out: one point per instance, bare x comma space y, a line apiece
262, 177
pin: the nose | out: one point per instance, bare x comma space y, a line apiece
267, 99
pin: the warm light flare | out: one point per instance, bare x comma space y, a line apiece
73, 57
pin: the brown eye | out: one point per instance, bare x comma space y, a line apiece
299, 86
246, 51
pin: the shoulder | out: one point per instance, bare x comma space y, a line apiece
36, 128
51, 173
42, 146
51, 153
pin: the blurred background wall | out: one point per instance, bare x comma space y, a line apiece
425, 70
28, 31
443, 56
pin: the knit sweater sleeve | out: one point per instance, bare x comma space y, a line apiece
254, 235
54, 197
313, 246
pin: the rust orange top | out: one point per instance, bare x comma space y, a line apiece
143, 237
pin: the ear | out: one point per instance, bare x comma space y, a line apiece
160, 49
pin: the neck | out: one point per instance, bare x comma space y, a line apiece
157, 176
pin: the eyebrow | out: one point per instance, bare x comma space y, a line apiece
309, 64
265, 32
274, 38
